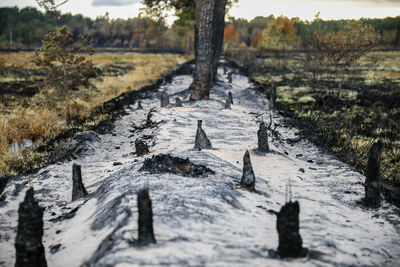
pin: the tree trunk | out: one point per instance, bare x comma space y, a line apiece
66, 97
219, 28
67, 110
209, 32
188, 41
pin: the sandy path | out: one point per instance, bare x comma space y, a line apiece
204, 221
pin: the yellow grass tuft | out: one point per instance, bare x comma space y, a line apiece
42, 116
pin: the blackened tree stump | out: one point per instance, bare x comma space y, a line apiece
262, 135
201, 141
164, 99
230, 76
149, 122
28, 243
227, 104
230, 97
141, 148
139, 105
146, 234
248, 180
178, 102
78, 189
372, 184
290, 242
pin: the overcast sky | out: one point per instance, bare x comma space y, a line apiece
305, 9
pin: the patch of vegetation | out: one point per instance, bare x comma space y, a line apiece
365, 110
33, 119
64, 69
348, 95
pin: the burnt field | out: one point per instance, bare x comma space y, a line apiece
349, 108
199, 182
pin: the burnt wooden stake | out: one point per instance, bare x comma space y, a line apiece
230, 76
78, 189
146, 234
273, 95
248, 180
290, 242
164, 99
201, 141
148, 118
139, 105
28, 243
228, 103
178, 102
262, 135
230, 97
141, 148
373, 178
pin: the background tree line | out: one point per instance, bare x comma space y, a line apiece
27, 27
250, 33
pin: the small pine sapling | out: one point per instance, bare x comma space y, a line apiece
65, 70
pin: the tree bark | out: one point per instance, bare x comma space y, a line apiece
209, 31
204, 21
219, 27
67, 110
66, 97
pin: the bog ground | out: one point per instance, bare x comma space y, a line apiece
203, 220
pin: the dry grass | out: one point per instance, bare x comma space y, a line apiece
148, 68
366, 111
41, 116
23, 124
382, 65
20, 59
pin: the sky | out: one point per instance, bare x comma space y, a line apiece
304, 9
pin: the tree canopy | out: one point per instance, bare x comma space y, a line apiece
26, 27
64, 65
279, 35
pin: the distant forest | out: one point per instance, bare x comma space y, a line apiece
26, 28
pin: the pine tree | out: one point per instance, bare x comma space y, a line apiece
64, 69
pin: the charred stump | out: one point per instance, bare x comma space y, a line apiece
178, 102
141, 147
273, 95
248, 180
227, 104
230, 97
164, 99
78, 189
146, 234
139, 105
28, 243
201, 141
372, 181
290, 242
262, 135
149, 122
230, 76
